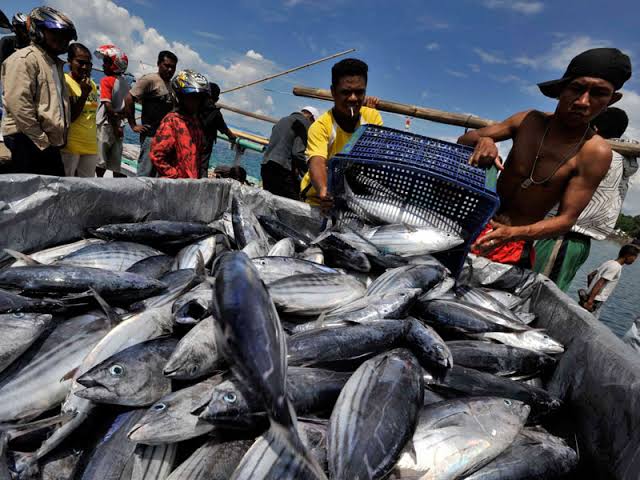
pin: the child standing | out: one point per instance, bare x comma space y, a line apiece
113, 91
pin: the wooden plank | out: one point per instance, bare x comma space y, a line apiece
442, 116
246, 113
250, 136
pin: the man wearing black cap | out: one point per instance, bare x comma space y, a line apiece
555, 158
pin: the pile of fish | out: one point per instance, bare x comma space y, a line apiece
248, 349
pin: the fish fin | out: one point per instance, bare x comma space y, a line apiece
145, 217
70, 374
112, 316
18, 430
21, 256
200, 270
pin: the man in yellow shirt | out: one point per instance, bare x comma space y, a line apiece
329, 133
80, 154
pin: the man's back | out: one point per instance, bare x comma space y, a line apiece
285, 133
7, 46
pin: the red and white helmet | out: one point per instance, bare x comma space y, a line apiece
118, 60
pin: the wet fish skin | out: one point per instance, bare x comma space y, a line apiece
36, 387
280, 230
152, 267
250, 334
131, 377
50, 255
169, 420
187, 257
312, 254
375, 416
214, 460
427, 345
193, 306
535, 340
314, 433
455, 437
406, 240
275, 268
246, 228
393, 304
533, 454
310, 390
153, 462
257, 248
277, 455
113, 457
178, 282
13, 303
470, 382
155, 232
314, 293
499, 359
283, 248
51, 280
196, 354
17, 332
343, 343
479, 297
339, 253
454, 316
114, 256
410, 276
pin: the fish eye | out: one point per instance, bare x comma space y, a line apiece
158, 407
18, 315
546, 337
507, 402
116, 370
230, 397
193, 370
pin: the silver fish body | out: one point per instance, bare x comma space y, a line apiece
274, 268
312, 294
153, 462
155, 232
50, 255
283, 248
407, 240
535, 340
152, 267
113, 256
17, 332
214, 460
455, 437
410, 276
246, 227
188, 256
257, 248
375, 416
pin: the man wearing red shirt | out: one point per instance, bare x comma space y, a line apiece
178, 148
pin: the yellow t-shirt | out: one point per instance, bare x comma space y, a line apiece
81, 138
326, 138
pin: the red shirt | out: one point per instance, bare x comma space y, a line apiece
178, 146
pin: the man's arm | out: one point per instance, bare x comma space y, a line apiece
19, 85
593, 163
484, 140
595, 291
137, 92
222, 127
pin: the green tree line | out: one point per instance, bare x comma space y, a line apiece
628, 224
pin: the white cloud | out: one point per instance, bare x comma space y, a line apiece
489, 57
117, 25
561, 53
630, 103
254, 55
432, 46
210, 35
519, 6
474, 67
144, 3
456, 73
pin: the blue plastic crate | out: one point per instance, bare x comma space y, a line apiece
428, 180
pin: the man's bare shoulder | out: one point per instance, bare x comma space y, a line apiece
595, 156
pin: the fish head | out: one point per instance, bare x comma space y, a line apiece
158, 420
517, 409
191, 311
190, 362
124, 380
230, 405
540, 341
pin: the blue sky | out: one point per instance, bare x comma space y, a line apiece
472, 56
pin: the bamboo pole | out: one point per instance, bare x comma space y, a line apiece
295, 69
246, 113
442, 116
250, 136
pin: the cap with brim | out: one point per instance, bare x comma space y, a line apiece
607, 63
313, 111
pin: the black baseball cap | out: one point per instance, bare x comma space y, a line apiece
607, 63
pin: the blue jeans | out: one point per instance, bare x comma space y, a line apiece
145, 167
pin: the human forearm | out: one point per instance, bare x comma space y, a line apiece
77, 105
469, 139
130, 110
595, 291
318, 174
548, 228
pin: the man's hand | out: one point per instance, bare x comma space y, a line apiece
486, 154
143, 129
232, 138
119, 131
499, 235
371, 102
326, 201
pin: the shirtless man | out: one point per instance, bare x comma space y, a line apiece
555, 158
